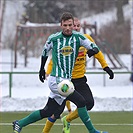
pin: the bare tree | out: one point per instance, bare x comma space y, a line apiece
120, 16
2, 8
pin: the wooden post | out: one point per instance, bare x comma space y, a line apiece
15, 48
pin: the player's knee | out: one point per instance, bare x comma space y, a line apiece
45, 112
57, 116
81, 103
90, 104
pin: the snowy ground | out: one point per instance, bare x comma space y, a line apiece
28, 93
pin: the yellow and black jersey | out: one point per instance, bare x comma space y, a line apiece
80, 64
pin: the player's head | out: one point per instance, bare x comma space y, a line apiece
67, 21
77, 24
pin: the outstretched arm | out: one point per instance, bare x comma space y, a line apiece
99, 56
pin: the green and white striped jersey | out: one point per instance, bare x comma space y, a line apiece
64, 51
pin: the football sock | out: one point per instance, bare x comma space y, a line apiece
33, 117
73, 115
83, 114
48, 125
68, 105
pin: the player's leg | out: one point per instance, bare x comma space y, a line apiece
47, 111
83, 88
82, 111
85, 92
19, 124
48, 125
51, 120
84, 117
68, 106
54, 94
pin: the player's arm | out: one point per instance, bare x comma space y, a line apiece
100, 57
89, 37
49, 67
44, 57
94, 50
42, 70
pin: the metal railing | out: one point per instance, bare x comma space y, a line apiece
11, 74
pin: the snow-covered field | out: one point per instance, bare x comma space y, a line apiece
28, 93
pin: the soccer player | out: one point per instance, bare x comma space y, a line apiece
79, 80
64, 46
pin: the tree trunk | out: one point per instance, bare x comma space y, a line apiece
2, 9
120, 16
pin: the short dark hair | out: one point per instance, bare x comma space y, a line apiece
65, 16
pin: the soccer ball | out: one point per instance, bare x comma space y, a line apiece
65, 88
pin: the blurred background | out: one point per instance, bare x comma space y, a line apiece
26, 24
115, 29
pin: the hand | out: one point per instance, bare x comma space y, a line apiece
42, 75
92, 52
109, 71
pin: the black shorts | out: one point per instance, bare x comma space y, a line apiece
52, 107
83, 88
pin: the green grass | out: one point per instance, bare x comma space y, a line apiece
113, 122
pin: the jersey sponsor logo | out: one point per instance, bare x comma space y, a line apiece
67, 50
81, 52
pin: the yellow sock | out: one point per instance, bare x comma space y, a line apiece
72, 116
68, 105
47, 126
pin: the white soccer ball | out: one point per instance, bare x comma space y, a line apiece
65, 88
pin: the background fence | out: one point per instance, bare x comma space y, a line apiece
104, 83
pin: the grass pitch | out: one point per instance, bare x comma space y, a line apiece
113, 122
